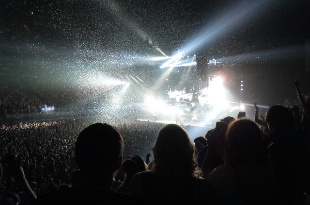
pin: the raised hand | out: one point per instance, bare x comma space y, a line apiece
147, 158
300, 95
255, 105
12, 165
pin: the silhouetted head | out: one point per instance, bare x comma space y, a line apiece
132, 165
279, 118
99, 149
244, 143
173, 152
227, 119
200, 142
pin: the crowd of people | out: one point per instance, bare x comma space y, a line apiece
77, 161
27, 99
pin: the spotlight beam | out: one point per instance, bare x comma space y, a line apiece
162, 78
114, 9
185, 75
173, 61
267, 54
225, 23
143, 87
118, 98
252, 105
141, 81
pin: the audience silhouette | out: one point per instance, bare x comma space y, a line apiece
239, 161
98, 154
172, 179
245, 177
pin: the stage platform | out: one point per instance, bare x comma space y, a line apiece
183, 123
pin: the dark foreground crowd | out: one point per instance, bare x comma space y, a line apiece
265, 161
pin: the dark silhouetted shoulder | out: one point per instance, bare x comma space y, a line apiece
86, 196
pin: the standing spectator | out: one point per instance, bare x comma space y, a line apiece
288, 153
216, 144
98, 154
172, 179
263, 125
201, 147
245, 177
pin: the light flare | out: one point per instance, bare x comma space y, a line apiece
158, 106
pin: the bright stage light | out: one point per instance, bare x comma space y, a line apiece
217, 92
48, 108
234, 108
242, 107
158, 106
215, 95
173, 61
160, 51
214, 62
161, 58
180, 94
186, 64
154, 105
114, 82
179, 60
260, 106
218, 80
